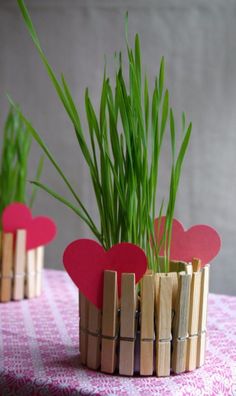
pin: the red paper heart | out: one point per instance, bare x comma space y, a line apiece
85, 261
199, 241
40, 230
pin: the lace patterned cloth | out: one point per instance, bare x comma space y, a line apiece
39, 351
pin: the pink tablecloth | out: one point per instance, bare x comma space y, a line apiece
39, 351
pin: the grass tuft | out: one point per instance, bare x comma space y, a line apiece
14, 162
123, 155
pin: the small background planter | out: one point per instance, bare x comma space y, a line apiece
155, 330
21, 270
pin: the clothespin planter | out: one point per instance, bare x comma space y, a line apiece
123, 153
164, 323
21, 270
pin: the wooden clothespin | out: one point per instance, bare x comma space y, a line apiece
94, 337
163, 315
6, 266
147, 325
188, 268
202, 324
30, 273
127, 324
175, 280
196, 263
38, 269
109, 322
83, 324
193, 321
180, 324
19, 265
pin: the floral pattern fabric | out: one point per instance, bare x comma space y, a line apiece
39, 351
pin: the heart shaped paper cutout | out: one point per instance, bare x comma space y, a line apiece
85, 261
40, 230
200, 241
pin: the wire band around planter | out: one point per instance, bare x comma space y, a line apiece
21, 270
160, 329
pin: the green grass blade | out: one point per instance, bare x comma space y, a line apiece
61, 199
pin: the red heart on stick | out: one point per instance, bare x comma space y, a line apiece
85, 261
40, 230
199, 241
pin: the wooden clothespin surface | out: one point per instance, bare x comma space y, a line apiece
38, 269
30, 273
203, 315
163, 315
147, 325
196, 263
6, 258
94, 337
83, 324
127, 324
19, 265
180, 324
193, 321
109, 322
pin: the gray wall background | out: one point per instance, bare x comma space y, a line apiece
198, 40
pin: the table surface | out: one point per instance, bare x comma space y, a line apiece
39, 350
